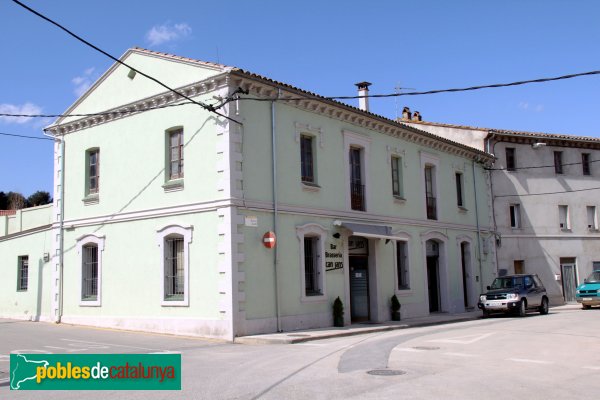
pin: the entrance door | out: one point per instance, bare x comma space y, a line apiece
464, 256
433, 283
569, 282
359, 288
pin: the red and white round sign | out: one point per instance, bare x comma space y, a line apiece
269, 240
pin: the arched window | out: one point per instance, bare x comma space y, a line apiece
174, 241
90, 248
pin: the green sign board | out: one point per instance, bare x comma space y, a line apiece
95, 371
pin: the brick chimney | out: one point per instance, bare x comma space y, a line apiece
363, 90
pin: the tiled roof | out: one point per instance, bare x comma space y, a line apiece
509, 132
180, 58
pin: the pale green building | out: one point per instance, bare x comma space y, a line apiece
161, 207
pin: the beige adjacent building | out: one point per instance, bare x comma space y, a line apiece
545, 201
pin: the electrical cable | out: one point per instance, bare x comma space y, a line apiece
25, 136
201, 104
539, 166
547, 193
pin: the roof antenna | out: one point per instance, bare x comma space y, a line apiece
398, 90
218, 62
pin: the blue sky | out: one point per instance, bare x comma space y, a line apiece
322, 46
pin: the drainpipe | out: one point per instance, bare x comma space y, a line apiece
478, 233
275, 210
61, 241
490, 149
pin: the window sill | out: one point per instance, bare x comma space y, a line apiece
321, 298
462, 210
403, 292
91, 199
175, 303
173, 185
90, 303
568, 230
593, 230
516, 228
310, 187
399, 199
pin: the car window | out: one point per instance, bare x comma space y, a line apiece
528, 282
537, 281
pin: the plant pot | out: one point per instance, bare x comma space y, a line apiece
395, 315
338, 321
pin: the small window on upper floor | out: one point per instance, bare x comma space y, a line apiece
515, 216
307, 163
558, 162
460, 201
430, 195
176, 154
397, 187
563, 217
592, 218
511, 159
586, 166
92, 172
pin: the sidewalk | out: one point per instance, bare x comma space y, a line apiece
356, 329
360, 329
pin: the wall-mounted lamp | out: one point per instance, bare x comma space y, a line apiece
337, 235
537, 145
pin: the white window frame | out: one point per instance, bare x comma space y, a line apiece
406, 239
313, 230
363, 142
99, 242
161, 235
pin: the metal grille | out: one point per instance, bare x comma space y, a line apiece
176, 154
357, 189
23, 273
174, 272
89, 273
311, 267
306, 159
431, 208
357, 196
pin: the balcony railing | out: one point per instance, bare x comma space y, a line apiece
357, 196
431, 208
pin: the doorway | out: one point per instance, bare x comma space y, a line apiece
358, 257
433, 275
465, 257
569, 279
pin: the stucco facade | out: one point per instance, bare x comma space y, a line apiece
238, 179
534, 235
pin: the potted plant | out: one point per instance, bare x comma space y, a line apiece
395, 308
338, 312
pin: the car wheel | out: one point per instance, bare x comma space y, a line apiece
522, 308
586, 306
544, 306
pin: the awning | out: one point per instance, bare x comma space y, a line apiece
369, 231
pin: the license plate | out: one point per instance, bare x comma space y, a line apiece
493, 303
586, 298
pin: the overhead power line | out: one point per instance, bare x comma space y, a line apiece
548, 193
541, 166
25, 136
201, 104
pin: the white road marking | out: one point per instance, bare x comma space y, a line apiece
4, 358
107, 345
459, 354
408, 349
594, 368
468, 339
311, 344
20, 351
525, 360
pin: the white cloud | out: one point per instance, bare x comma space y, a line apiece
27, 108
539, 108
523, 105
160, 34
82, 83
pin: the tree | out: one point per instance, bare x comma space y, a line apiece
3, 201
39, 198
16, 201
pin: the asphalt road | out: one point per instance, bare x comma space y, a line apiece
556, 356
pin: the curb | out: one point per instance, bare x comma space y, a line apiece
253, 340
